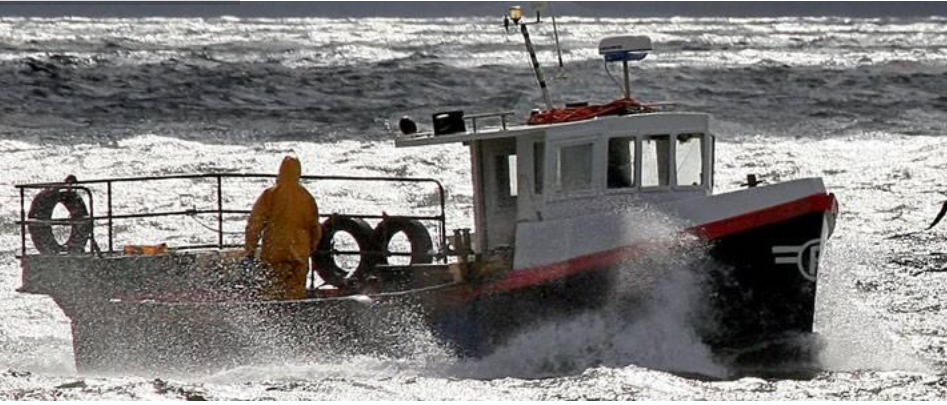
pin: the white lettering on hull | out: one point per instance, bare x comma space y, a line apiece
805, 257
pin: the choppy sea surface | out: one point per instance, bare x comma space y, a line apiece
858, 102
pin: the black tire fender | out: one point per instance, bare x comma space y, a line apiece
421, 243
42, 233
323, 259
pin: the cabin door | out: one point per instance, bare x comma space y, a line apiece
498, 191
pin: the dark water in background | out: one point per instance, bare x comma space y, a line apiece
68, 80
859, 102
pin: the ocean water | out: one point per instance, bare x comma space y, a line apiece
858, 102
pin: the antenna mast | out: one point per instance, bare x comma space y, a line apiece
624, 49
555, 33
516, 14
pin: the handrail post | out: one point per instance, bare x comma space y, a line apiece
108, 196
443, 219
22, 222
92, 245
220, 213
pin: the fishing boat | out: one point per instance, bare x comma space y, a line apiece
554, 203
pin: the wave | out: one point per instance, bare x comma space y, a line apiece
262, 100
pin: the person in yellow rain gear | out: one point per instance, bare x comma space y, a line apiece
288, 218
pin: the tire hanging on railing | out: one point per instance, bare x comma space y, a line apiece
41, 233
324, 258
421, 245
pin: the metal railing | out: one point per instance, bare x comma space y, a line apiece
111, 217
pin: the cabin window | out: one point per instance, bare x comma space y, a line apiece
539, 159
689, 158
621, 162
655, 153
506, 179
574, 169
511, 175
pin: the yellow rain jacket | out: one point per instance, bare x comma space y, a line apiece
287, 216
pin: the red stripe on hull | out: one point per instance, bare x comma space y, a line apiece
767, 216
713, 230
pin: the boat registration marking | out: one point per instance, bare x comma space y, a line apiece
805, 257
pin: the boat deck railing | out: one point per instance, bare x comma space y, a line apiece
110, 218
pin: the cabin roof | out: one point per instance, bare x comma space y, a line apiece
428, 138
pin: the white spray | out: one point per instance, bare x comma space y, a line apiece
855, 339
651, 319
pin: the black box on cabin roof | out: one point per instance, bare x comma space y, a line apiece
448, 122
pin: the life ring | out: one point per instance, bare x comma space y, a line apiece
42, 232
323, 259
418, 237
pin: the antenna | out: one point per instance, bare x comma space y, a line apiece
555, 34
515, 15
547, 6
623, 49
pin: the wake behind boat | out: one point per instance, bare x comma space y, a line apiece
553, 200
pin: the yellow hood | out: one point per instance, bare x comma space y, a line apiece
289, 171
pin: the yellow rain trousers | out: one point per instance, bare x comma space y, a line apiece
288, 218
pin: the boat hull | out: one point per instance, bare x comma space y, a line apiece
147, 337
761, 287
765, 287
749, 295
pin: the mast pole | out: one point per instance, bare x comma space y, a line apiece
555, 32
536, 68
